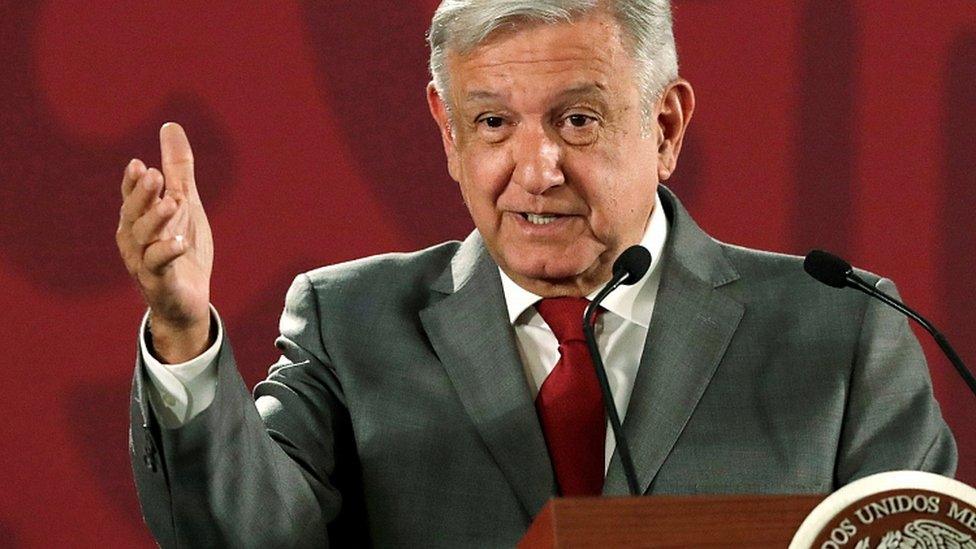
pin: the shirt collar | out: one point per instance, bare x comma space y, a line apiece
633, 303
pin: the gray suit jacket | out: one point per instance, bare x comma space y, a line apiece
399, 413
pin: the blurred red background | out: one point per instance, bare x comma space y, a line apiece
844, 125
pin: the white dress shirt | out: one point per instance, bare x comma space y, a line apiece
178, 392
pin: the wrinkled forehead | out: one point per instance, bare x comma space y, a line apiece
463, 24
581, 57
592, 27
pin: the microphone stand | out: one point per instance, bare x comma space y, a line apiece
621, 440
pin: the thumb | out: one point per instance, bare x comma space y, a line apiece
177, 161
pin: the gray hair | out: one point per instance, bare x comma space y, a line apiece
460, 25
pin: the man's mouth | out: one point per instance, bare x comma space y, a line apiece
539, 219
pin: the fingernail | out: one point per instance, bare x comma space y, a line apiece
179, 241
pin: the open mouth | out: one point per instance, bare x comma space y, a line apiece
539, 219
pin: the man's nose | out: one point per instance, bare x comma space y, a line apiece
538, 162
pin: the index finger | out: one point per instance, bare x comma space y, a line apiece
177, 161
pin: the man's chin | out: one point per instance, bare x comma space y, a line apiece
546, 271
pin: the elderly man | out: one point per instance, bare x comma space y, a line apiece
438, 398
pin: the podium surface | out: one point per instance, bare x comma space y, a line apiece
670, 521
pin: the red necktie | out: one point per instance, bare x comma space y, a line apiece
570, 404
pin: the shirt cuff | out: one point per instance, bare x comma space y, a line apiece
178, 392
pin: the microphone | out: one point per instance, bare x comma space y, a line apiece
627, 269
834, 271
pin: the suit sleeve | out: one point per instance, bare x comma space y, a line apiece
249, 472
892, 420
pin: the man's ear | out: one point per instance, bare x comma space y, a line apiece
673, 114
439, 110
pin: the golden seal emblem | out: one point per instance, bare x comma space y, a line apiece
893, 510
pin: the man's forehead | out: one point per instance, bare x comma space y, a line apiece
543, 47
594, 89
574, 58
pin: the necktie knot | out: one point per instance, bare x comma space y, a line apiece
564, 315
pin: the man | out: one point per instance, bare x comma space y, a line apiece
429, 399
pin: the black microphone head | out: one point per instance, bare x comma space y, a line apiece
827, 268
634, 261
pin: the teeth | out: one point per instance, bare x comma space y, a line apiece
539, 219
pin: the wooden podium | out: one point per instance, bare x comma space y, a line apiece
669, 521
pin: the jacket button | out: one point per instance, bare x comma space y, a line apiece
150, 462
149, 452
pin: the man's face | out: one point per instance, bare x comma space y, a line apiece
546, 141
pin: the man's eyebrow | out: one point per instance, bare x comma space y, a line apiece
591, 89
594, 89
481, 95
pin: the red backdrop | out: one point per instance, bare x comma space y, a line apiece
844, 125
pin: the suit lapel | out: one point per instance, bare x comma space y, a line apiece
691, 327
477, 347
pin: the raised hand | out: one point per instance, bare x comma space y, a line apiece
166, 244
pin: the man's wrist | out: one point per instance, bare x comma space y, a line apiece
174, 345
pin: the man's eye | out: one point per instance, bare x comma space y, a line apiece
579, 120
579, 128
493, 121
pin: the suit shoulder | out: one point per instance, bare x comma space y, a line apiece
754, 264
785, 302
777, 281
389, 270
762, 264
364, 302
